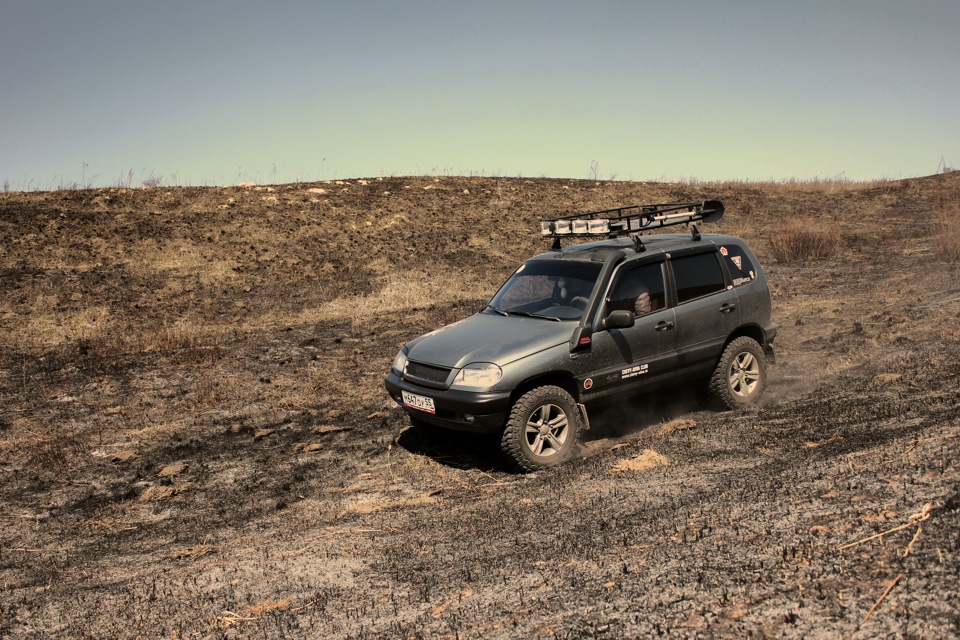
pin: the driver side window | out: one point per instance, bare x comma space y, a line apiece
639, 290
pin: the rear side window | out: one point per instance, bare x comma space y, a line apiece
697, 276
739, 265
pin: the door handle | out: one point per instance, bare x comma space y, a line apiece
663, 325
727, 307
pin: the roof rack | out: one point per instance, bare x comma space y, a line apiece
638, 218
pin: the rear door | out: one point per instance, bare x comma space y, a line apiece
706, 309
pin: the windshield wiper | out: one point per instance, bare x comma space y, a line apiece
527, 314
500, 311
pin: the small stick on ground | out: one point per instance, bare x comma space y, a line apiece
912, 542
876, 604
915, 519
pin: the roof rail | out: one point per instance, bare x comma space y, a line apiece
637, 218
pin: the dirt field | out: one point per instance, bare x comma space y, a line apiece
195, 440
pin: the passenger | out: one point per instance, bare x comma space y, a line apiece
643, 304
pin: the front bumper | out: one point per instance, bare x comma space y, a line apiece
480, 412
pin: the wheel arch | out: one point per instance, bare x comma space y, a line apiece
753, 331
560, 379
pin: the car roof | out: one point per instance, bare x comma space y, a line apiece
653, 244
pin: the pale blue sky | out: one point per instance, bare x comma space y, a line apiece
217, 92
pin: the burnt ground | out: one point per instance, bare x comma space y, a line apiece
195, 442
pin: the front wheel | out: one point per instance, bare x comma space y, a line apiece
542, 429
740, 375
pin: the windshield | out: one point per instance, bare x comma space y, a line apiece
551, 289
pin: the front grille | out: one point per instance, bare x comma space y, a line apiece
430, 373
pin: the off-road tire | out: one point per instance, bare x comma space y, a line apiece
741, 374
542, 429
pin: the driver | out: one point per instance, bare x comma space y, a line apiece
643, 304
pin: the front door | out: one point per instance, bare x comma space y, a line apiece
634, 358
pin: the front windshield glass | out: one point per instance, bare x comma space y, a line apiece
553, 289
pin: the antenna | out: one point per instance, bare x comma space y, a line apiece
694, 232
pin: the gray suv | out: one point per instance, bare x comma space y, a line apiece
626, 314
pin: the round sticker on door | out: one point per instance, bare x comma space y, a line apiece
588, 383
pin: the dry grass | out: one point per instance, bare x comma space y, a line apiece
836, 184
646, 460
802, 240
178, 336
400, 293
207, 388
97, 331
44, 449
946, 239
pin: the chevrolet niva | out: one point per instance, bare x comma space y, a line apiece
626, 314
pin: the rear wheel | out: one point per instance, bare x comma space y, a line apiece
740, 375
542, 429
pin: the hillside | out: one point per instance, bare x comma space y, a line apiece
195, 439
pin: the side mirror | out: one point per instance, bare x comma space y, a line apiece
620, 319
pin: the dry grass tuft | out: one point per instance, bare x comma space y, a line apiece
946, 241
680, 424
211, 386
53, 451
252, 613
170, 338
802, 240
648, 459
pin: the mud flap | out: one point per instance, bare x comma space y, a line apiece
584, 420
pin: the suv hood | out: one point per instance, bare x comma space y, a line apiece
486, 337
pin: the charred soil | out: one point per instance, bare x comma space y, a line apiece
195, 440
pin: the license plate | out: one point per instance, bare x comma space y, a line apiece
421, 403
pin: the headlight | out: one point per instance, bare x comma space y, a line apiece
399, 363
478, 374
